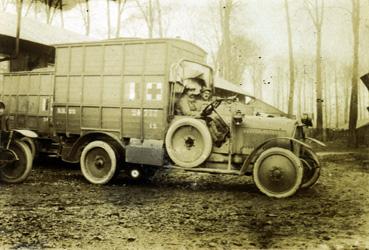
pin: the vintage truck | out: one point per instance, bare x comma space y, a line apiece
111, 105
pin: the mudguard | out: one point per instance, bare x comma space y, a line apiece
246, 164
26, 133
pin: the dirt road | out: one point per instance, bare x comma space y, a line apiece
57, 208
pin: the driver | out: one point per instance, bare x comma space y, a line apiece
187, 103
205, 98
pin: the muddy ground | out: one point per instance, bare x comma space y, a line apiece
57, 208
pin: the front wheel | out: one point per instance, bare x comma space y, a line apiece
311, 168
98, 162
18, 170
278, 172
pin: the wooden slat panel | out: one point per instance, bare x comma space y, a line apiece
12, 107
131, 120
34, 85
94, 59
74, 125
155, 58
33, 104
132, 92
24, 84
75, 89
91, 117
22, 104
92, 90
46, 84
7, 83
153, 124
60, 114
13, 86
76, 62
111, 118
113, 59
62, 61
112, 90
134, 55
61, 89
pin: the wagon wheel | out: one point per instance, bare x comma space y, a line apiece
311, 166
278, 172
98, 162
188, 142
18, 170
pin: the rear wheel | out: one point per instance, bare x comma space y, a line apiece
98, 162
18, 170
278, 173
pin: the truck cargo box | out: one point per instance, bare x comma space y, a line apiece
119, 86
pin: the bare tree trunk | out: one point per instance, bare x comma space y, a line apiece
85, 12
316, 13
4, 5
225, 14
160, 21
29, 7
150, 23
336, 96
319, 97
355, 68
291, 61
119, 17
61, 14
108, 17
347, 100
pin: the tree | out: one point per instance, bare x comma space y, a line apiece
291, 61
316, 13
355, 73
152, 13
120, 7
85, 12
224, 54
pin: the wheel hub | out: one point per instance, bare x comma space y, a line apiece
135, 173
99, 162
276, 173
189, 142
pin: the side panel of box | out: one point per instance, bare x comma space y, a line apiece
28, 98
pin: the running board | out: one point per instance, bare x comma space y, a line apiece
205, 170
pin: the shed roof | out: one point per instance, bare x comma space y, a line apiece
38, 32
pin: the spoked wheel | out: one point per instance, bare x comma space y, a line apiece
311, 166
98, 162
278, 173
188, 142
18, 170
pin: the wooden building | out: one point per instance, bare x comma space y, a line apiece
36, 40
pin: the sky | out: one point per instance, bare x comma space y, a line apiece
263, 21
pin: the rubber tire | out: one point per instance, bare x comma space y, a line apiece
309, 183
31, 144
112, 157
26, 166
291, 157
206, 136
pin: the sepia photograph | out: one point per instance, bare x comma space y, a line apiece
184, 124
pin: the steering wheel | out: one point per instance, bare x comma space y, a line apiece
210, 107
